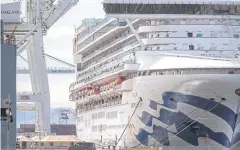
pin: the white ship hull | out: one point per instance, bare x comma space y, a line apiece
191, 107
181, 68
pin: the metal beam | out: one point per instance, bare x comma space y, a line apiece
23, 58
135, 33
26, 36
59, 60
49, 71
19, 28
171, 16
22, 48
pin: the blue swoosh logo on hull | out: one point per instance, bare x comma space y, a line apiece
227, 115
192, 133
189, 135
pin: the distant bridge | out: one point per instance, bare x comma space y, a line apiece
51, 70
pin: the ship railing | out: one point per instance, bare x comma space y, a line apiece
106, 45
125, 31
90, 37
102, 73
183, 22
25, 93
106, 55
181, 71
105, 38
90, 105
105, 64
26, 106
104, 91
108, 69
95, 28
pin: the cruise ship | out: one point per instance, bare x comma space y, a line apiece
170, 81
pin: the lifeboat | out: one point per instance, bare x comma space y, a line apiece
119, 80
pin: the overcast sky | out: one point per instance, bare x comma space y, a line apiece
58, 43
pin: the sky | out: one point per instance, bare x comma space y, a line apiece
58, 43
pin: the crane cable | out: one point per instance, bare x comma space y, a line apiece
8, 40
140, 100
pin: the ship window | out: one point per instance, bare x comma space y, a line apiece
213, 35
111, 115
191, 47
236, 35
235, 23
190, 34
166, 22
212, 22
51, 143
94, 128
212, 99
182, 22
200, 47
199, 35
223, 99
213, 48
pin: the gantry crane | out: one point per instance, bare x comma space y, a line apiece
28, 35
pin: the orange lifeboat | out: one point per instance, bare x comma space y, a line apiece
119, 80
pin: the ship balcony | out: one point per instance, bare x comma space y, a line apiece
122, 69
110, 34
108, 47
95, 29
183, 28
108, 59
85, 97
104, 102
91, 94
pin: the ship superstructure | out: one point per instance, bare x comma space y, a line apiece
159, 81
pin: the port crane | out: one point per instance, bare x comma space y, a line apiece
27, 35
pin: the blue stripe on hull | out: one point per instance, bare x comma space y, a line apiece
189, 135
192, 133
227, 115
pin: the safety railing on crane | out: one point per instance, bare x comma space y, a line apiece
26, 107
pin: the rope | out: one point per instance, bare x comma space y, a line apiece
140, 99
